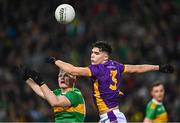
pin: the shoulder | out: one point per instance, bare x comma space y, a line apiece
57, 91
151, 105
75, 91
96, 70
75, 96
96, 65
113, 62
117, 65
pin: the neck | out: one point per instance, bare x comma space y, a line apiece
104, 61
156, 101
64, 90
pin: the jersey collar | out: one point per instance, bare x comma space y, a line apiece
155, 101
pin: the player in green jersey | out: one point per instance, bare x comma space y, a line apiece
155, 111
67, 101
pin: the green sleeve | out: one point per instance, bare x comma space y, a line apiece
57, 92
150, 111
74, 98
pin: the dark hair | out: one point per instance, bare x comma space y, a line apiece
103, 46
156, 83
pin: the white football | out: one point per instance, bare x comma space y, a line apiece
64, 13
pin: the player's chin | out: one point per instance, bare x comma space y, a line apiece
160, 99
63, 87
92, 63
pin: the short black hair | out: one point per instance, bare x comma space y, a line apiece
156, 83
103, 46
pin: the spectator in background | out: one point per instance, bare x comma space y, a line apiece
155, 110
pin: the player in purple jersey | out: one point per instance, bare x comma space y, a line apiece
105, 75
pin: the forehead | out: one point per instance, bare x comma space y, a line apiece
158, 87
62, 73
95, 49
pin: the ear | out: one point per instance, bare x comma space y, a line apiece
106, 57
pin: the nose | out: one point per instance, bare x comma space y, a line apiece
92, 55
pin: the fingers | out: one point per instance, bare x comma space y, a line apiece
50, 60
166, 68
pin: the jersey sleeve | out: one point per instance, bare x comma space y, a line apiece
122, 67
150, 111
57, 92
73, 97
95, 69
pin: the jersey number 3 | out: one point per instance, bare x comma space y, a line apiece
114, 80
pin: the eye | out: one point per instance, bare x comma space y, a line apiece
97, 53
65, 75
59, 75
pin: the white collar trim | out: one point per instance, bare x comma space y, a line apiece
155, 101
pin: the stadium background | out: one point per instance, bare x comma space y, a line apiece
140, 31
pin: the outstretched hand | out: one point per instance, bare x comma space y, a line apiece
26, 73
37, 77
23, 72
166, 68
50, 60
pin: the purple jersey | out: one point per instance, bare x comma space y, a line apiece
106, 82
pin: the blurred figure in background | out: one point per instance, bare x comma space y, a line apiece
155, 110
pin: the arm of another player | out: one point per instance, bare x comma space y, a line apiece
166, 68
73, 70
140, 68
147, 120
35, 87
76, 71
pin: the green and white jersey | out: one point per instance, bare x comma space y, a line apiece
156, 112
73, 113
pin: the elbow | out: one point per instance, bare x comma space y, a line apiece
59, 103
53, 104
140, 69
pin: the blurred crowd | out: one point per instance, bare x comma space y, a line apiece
140, 31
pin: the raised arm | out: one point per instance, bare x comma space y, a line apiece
35, 87
147, 120
76, 71
145, 68
48, 94
35, 81
26, 74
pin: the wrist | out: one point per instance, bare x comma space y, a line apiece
158, 67
55, 61
41, 84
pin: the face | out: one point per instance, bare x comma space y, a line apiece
158, 93
98, 57
64, 80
